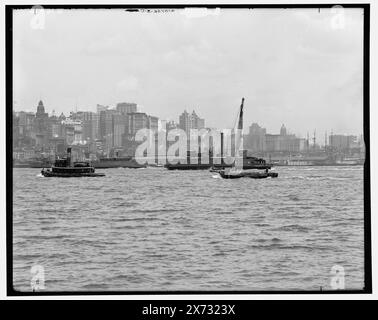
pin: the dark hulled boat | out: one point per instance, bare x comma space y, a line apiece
244, 174
63, 168
31, 163
189, 166
117, 162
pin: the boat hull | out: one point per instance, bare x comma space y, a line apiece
252, 175
213, 167
117, 163
189, 166
48, 173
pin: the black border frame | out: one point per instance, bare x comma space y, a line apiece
9, 147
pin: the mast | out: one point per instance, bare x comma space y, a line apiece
240, 124
239, 139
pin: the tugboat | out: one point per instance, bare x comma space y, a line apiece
64, 168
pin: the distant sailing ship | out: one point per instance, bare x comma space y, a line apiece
237, 170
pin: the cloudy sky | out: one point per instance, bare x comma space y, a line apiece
300, 67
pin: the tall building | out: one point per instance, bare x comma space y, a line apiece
126, 107
100, 108
153, 123
119, 129
185, 121
342, 142
137, 121
23, 129
196, 121
73, 131
41, 110
90, 126
255, 139
106, 123
41, 125
283, 131
190, 121
26, 123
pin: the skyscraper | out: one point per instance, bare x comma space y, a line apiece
106, 127
190, 121
90, 126
119, 129
126, 107
137, 121
41, 125
255, 139
153, 123
196, 121
184, 121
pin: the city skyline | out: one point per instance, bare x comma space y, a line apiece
176, 119
170, 62
321, 138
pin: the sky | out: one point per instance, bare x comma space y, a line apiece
298, 67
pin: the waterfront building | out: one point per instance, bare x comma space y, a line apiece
342, 142
258, 141
284, 143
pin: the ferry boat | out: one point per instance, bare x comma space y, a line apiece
65, 168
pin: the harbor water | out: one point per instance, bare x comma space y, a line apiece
157, 230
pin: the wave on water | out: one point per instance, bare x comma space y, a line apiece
292, 227
316, 177
146, 229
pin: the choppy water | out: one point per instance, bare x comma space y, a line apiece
152, 229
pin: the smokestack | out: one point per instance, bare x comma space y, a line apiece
221, 147
69, 156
